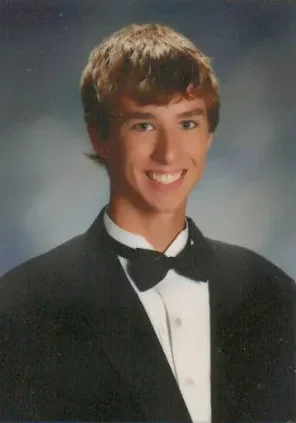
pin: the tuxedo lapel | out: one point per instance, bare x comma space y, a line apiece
222, 393
231, 311
223, 396
128, 337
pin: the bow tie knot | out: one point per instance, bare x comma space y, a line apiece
148, 267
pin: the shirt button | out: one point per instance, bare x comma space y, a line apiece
189, 381
178, 322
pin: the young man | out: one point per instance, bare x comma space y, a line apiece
142, 318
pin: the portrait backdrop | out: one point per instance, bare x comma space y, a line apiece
51, 192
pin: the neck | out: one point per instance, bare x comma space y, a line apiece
159, 229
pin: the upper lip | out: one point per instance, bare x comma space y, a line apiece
166, 172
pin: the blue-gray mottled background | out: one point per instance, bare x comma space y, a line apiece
51, 192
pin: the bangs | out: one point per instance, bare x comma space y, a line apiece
158, 80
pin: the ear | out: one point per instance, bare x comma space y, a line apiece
210, 140
100, 144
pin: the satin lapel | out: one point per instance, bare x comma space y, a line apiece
221, 389
209, 267
128, 337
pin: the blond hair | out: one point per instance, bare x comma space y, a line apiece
150, 63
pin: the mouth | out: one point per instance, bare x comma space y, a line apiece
166, 178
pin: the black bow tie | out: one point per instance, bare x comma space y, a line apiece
147, 267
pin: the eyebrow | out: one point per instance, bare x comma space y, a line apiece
142, 115
192, 113
126, 116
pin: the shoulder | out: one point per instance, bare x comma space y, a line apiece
43, 273
54, 258
252, 268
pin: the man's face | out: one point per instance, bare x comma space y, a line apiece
156, 153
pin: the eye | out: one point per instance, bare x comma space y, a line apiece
143, 127
188, 124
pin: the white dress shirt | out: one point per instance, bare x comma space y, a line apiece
179, 311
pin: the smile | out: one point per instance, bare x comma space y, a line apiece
165, 178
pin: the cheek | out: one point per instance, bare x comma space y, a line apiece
198, 148
127, 159
119, 153
137, 152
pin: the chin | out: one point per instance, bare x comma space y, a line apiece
166, 207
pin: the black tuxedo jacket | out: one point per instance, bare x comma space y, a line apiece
77, 345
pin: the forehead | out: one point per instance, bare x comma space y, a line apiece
127, 107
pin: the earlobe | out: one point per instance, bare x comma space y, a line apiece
100, 145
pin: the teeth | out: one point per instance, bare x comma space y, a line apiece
167, 178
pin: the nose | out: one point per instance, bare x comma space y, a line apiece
167, 146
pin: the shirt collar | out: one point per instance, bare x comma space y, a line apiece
138, 241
